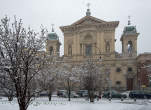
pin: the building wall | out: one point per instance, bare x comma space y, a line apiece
143, 70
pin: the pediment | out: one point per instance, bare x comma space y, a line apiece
88, 20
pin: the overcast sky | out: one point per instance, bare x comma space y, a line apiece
65, 12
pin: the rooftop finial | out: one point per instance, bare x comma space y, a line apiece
88, 5
52, 27
129, 20
88, 13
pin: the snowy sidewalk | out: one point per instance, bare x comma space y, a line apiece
79, 104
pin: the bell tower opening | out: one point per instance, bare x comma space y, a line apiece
130, 47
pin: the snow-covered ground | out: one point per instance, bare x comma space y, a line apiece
79, 104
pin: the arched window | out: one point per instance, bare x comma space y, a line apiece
51, 50
130, 46
69, 50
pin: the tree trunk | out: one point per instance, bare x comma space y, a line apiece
91, 96
10, 98
69, 90
91, 99
69, 94
22, 106
49, 96
23, 103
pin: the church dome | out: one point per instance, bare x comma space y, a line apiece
52, 36
130, 30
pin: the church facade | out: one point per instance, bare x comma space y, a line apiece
93, 38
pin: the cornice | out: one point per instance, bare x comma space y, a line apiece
105, 27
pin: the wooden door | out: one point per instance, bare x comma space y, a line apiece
130, 84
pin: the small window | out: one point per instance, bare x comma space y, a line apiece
118, 69
118, 82
130, 69
51, 50
148, 61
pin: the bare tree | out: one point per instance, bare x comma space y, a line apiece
20, 59
68, 78
92, 78
47, 77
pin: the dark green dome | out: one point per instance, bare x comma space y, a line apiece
130, 30
52, 36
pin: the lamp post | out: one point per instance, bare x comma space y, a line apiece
109, 83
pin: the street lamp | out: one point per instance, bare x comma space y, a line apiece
109, 83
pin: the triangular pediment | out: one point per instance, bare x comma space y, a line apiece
88, 20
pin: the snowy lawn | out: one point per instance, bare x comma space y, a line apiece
79, 104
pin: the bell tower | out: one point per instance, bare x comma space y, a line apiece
53, 44
129, 40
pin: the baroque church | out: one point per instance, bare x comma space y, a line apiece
93, 38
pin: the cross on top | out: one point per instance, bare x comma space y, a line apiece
88, 5
129, 20
129, 17
52, 27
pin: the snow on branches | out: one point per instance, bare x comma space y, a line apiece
19, 57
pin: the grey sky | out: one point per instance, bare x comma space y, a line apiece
65, 12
